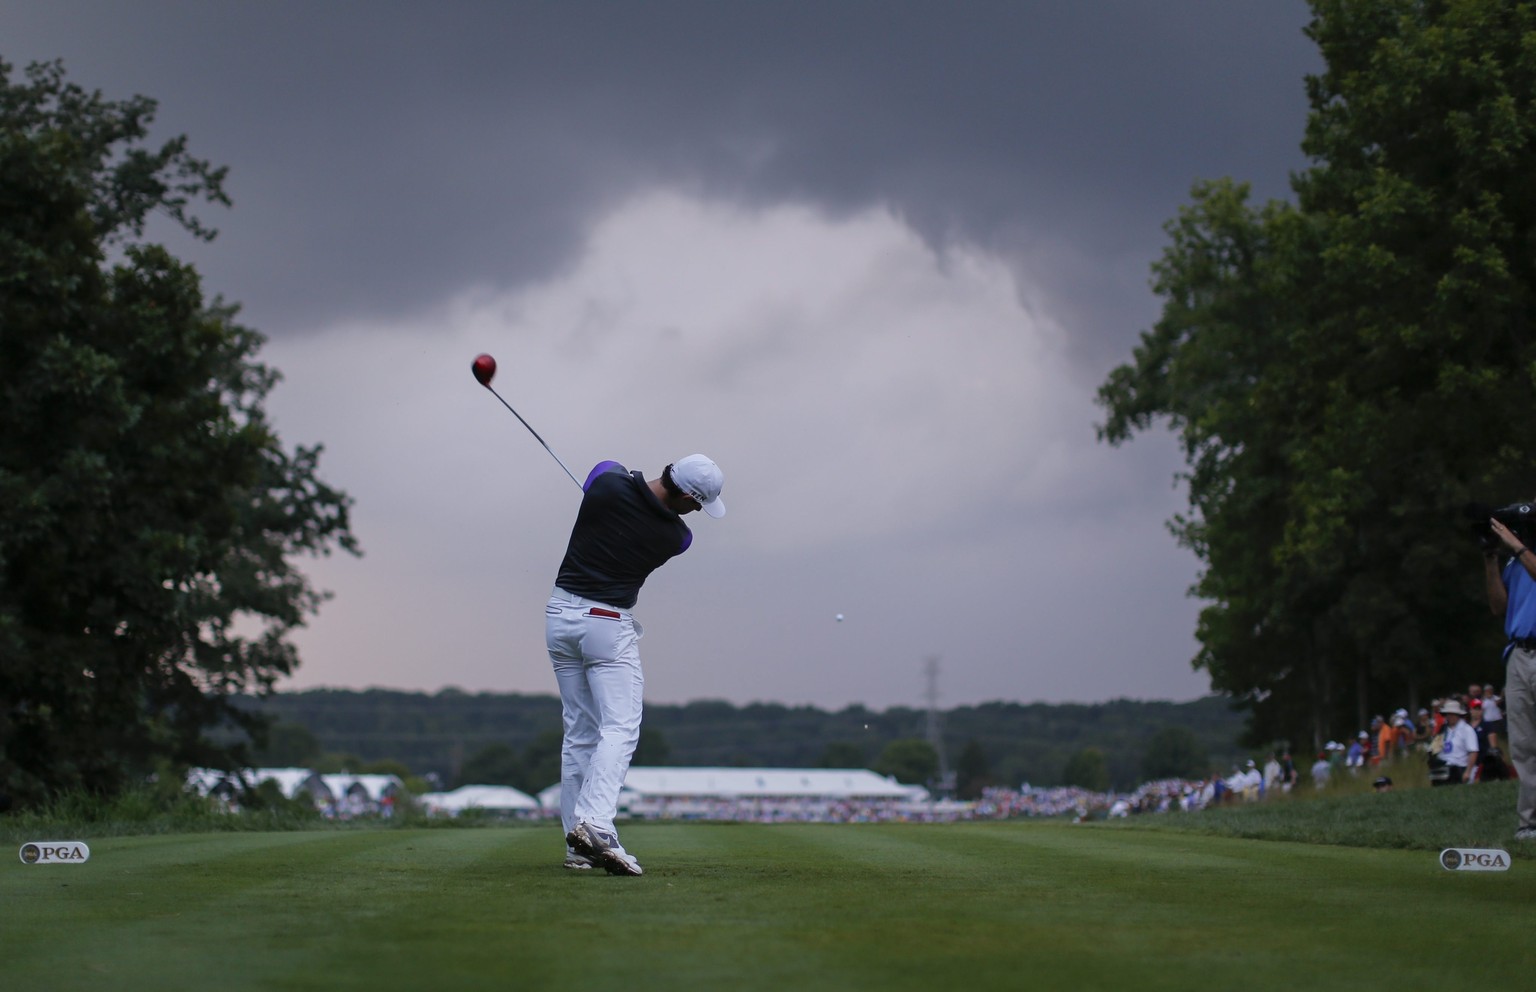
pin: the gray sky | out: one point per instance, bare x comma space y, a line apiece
874, 258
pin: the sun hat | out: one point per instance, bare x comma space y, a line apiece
1453, 706
702, 479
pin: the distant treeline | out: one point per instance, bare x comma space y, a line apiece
1009, 743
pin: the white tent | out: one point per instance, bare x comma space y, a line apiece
492, 798
358, 794
765, 783
293, 782
372, 787
649, 789
216, 782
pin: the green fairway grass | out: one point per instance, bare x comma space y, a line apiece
1008, 905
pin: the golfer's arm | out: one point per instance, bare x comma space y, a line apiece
1498, 596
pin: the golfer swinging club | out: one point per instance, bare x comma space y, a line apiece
627, 527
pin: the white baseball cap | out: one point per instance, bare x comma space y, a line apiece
702, 479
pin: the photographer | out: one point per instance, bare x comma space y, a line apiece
1512, 594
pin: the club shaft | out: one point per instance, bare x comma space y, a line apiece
535, 435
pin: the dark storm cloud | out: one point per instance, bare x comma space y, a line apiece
410, 150
873, 256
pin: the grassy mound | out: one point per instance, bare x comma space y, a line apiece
1411, 818
149, 812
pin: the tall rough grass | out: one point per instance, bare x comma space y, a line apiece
1349, 812
146, 810
151, 809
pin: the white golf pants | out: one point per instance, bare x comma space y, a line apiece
595, 649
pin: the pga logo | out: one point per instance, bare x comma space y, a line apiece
55, 852
1474, 859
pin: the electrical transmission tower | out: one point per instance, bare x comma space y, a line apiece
946, 781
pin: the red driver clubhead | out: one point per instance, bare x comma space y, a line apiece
484, 367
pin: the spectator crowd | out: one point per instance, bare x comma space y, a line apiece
1461, 736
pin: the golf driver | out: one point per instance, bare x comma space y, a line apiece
484, 367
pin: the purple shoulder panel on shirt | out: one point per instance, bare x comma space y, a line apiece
687, 539
598, 470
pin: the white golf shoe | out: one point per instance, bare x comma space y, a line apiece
599, 850
586, 842
617, 861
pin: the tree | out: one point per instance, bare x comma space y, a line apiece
652, 749
910, 760
541, 762
841, 754
288, 745
1086, 770
1175, 752
494, 764
151, 513
973, 772
1348, 370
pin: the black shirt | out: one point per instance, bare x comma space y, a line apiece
623, 533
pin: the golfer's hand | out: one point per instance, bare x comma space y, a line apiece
1504, 534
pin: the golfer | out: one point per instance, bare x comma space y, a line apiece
1512, 595
627, 527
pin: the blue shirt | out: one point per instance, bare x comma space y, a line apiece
1520, 614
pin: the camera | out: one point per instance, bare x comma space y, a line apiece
1520, 518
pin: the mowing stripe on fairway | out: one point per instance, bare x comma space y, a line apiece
805, 906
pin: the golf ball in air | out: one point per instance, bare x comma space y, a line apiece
839, 618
